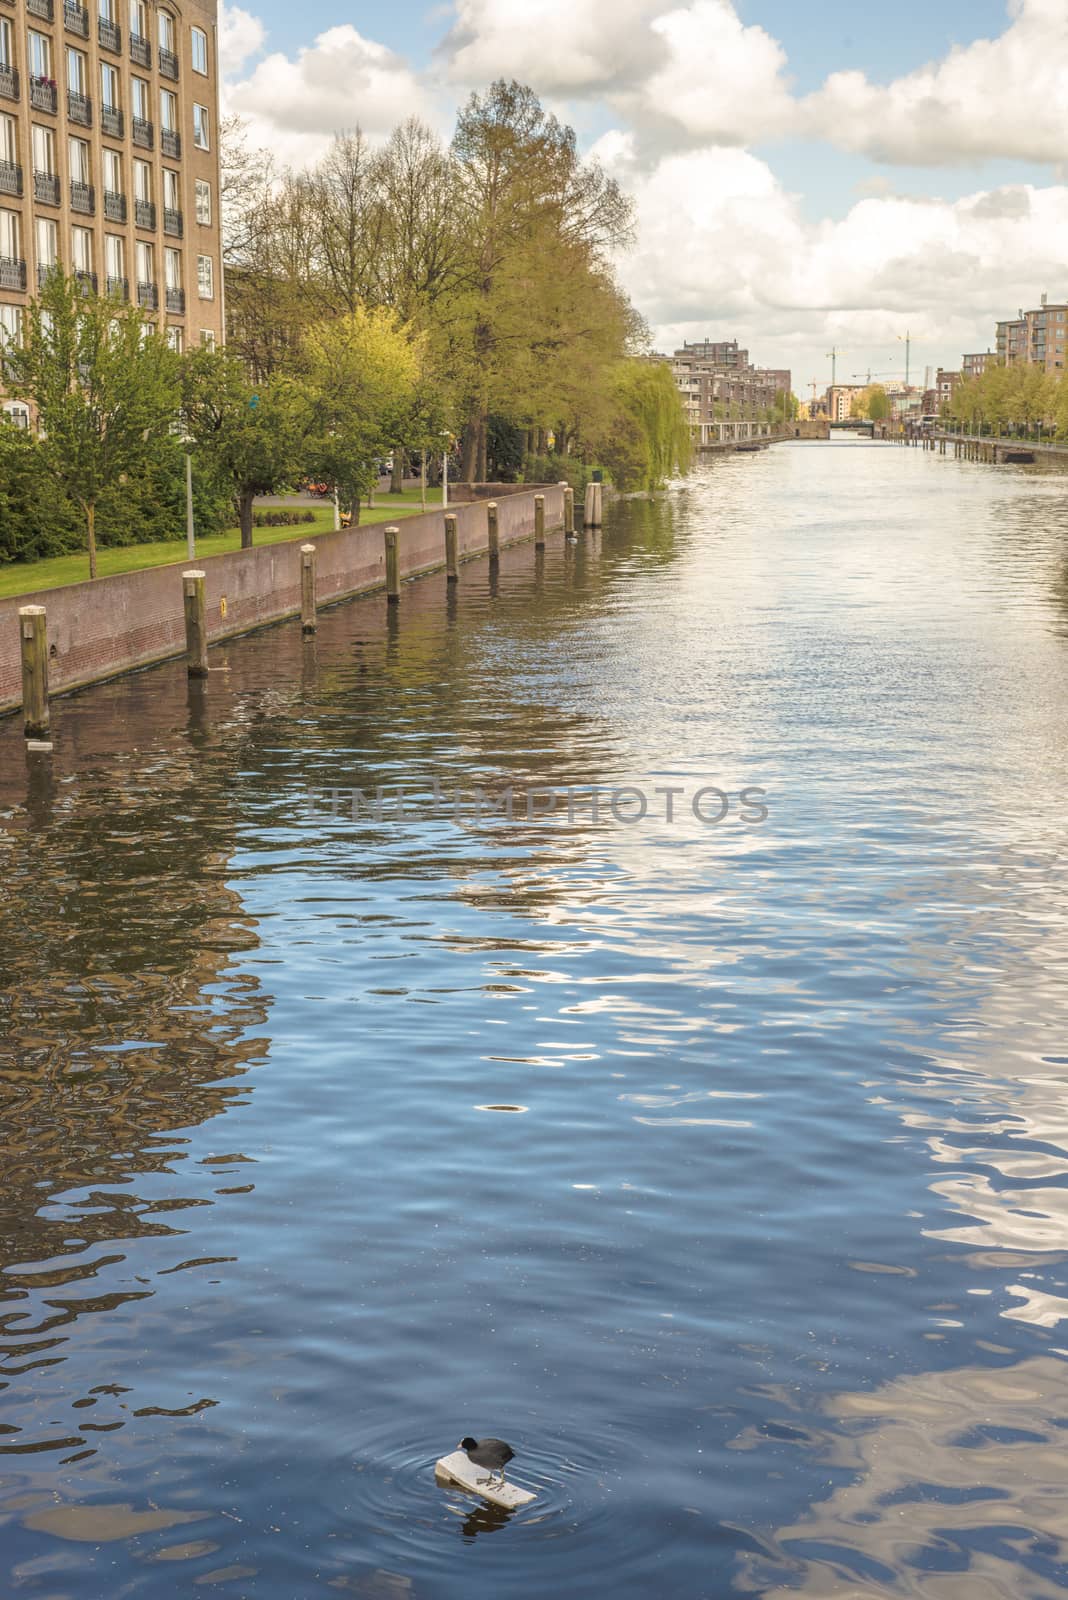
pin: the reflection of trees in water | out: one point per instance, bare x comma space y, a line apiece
121, 1023
957, 1492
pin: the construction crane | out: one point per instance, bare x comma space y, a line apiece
869, 375
833, 353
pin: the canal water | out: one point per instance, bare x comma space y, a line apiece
721, 1166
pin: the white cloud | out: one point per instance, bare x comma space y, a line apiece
557, 46
241, 35
718, 80
1004, 97
342, 81
723, 249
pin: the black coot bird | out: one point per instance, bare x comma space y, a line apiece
491, 1453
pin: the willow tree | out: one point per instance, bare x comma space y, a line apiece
649, 439
103, 383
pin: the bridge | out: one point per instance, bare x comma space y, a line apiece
855, 425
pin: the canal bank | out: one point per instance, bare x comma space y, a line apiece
97, 630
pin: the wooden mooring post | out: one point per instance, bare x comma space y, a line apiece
33, 641
539, 522
196, 623
569, 508
392, 534
493, 530
592, 508
308, 619
452, 568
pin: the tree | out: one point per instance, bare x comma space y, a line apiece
878, 403
648, 439
104, 386
363, 372
253, 436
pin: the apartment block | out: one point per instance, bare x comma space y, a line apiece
1034, 338
109, 158
724, 397
974, 365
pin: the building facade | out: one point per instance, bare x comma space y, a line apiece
1034, 338
725, 399
109, 157
974, 365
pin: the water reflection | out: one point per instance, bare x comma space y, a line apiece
721, 1169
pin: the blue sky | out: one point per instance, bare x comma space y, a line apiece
803, 175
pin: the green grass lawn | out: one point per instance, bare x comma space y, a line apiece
25, 577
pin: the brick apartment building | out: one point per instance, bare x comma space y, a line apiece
725, 398
109, 158
1034, 338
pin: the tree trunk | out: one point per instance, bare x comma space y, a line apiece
244, 516
469, 445
422, 478
396, 482
90, 526
354, 512
480, 468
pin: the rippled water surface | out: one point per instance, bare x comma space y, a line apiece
723, 1169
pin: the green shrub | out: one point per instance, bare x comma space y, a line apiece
281, 519
557, 469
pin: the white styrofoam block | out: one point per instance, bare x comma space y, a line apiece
457, 1469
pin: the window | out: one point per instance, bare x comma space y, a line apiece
47, 240
76, 77
10, 235
172, 198
78, 160
109, 87
200, 50
17, 413
81, 249
172, 268
139, 19
168, 110
204, 202
6, 58
114, 255
106, 10
40, 55
142, 180
10, 325
139, 98
207, 338
200, 127
112, 172
43, 144
8, 147
166, 31
174, 339
205, 278
146, 263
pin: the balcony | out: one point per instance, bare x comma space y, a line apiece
43, 94
11, 179
40, 8
112, 121
46, 188
114, 206
109, 34
9, 82
175, 299
141, 132
12, 273
170, 143
145, 213
148, 296
79, 108
140, 50
86, 281
45, 270
168, 64
172, 222
118, 288
82, 197
76, 18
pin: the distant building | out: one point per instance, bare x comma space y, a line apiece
1034, 338
975, 365
840, 399
725, 398
945, 388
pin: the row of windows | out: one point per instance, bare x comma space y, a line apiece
43, 149
167, 32
46, 241
11, 333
